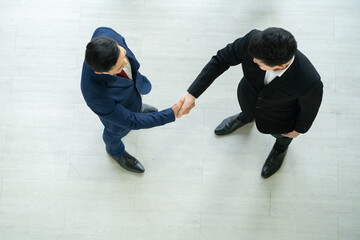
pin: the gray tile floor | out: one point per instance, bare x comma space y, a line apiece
57, 182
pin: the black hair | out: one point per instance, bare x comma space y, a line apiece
102, 54
273, 46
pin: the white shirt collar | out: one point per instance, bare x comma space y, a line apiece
279, 73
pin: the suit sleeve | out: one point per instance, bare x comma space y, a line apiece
231, 55
120, 116
309, 106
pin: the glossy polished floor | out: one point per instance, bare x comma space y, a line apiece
58, 183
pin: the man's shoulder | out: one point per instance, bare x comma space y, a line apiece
254, 31
306, 76
244, 41
90, 82
306, 67
104, 30
251, 33
107, 32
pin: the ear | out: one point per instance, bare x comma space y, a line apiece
282, 66
98, 72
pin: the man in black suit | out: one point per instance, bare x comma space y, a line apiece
280, 90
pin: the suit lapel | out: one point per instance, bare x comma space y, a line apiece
134, 65
133, 62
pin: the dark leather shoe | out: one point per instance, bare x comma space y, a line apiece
146, 108
229, 125
129, 162
273, 163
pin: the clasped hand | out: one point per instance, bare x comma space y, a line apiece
184, 105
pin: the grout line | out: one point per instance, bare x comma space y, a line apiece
338, 234
337, 177
270, 202
200, 227
1, 187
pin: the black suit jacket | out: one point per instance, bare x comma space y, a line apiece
290, 102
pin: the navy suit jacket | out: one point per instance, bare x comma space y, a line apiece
290, 102
116, 100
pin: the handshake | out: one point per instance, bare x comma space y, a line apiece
184, 105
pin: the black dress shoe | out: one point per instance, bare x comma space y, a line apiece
229, 125
129, 162
273, 163
146, 108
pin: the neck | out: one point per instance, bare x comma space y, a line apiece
282, 67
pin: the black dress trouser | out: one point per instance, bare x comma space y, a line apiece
282, 142
247, 115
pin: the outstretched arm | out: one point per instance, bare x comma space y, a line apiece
231, 55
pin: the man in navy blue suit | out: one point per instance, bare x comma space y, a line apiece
112, 87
